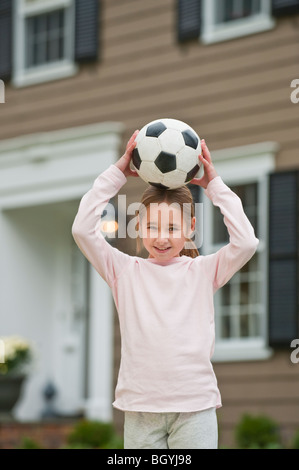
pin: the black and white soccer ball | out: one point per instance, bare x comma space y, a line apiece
166, 153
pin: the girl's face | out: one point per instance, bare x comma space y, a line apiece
164, 230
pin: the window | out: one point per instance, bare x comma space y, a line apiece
240, 309
241, 305
227, 19
44, 40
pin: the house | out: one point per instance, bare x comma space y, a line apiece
80, 76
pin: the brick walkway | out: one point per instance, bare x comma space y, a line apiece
48, 435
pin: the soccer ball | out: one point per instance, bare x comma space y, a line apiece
166, 153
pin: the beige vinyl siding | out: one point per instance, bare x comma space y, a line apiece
233, 93
259, 388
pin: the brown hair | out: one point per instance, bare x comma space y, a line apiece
181, 196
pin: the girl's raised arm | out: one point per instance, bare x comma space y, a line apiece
86, 229
223, 264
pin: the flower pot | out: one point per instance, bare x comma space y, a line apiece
10, 390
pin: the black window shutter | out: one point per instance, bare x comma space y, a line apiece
283, 258
285, 7
87, 30
5, 39
189, 19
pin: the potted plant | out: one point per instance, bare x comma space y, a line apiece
15, 355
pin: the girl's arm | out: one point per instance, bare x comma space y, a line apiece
223, 264
107, 260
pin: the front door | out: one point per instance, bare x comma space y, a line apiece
71, 317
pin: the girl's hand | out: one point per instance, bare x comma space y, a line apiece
124, 162
209, 170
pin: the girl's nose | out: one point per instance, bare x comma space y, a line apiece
163, 235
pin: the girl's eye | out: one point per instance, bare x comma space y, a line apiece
171, 229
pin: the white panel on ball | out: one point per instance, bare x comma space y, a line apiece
174, 179
175, 124
149, 148
184, 159
141, 134
152, 172
171, 141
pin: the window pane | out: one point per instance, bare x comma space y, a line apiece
254, 292
231, 10
226, 327
56, 35
226, 298
251, 266
255, 325
249, 197
244, 325
244, 293
45, 37
30, 41
220, 234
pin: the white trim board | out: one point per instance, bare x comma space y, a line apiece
57, 165
246, 162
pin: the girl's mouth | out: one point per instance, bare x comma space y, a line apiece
162, 250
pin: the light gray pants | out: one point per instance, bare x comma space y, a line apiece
196, 430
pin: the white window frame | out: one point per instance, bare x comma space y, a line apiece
213, 32
242, 165
23, 76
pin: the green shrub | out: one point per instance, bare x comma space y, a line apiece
115, 443
94, 435
295, 443
257, 432
28, 443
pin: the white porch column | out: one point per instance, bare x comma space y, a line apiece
100, 373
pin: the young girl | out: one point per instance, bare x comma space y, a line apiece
166, 384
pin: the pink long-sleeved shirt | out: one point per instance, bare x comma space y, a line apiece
165, 309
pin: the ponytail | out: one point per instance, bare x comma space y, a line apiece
192, 252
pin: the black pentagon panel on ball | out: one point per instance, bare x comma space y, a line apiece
156, 129
190, 139
192, 173
166, 162
136, 159
159, 185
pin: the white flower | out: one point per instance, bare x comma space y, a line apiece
16, 352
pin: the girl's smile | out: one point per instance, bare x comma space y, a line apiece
162, 250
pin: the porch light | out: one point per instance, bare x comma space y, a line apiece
108, 227
109, 221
